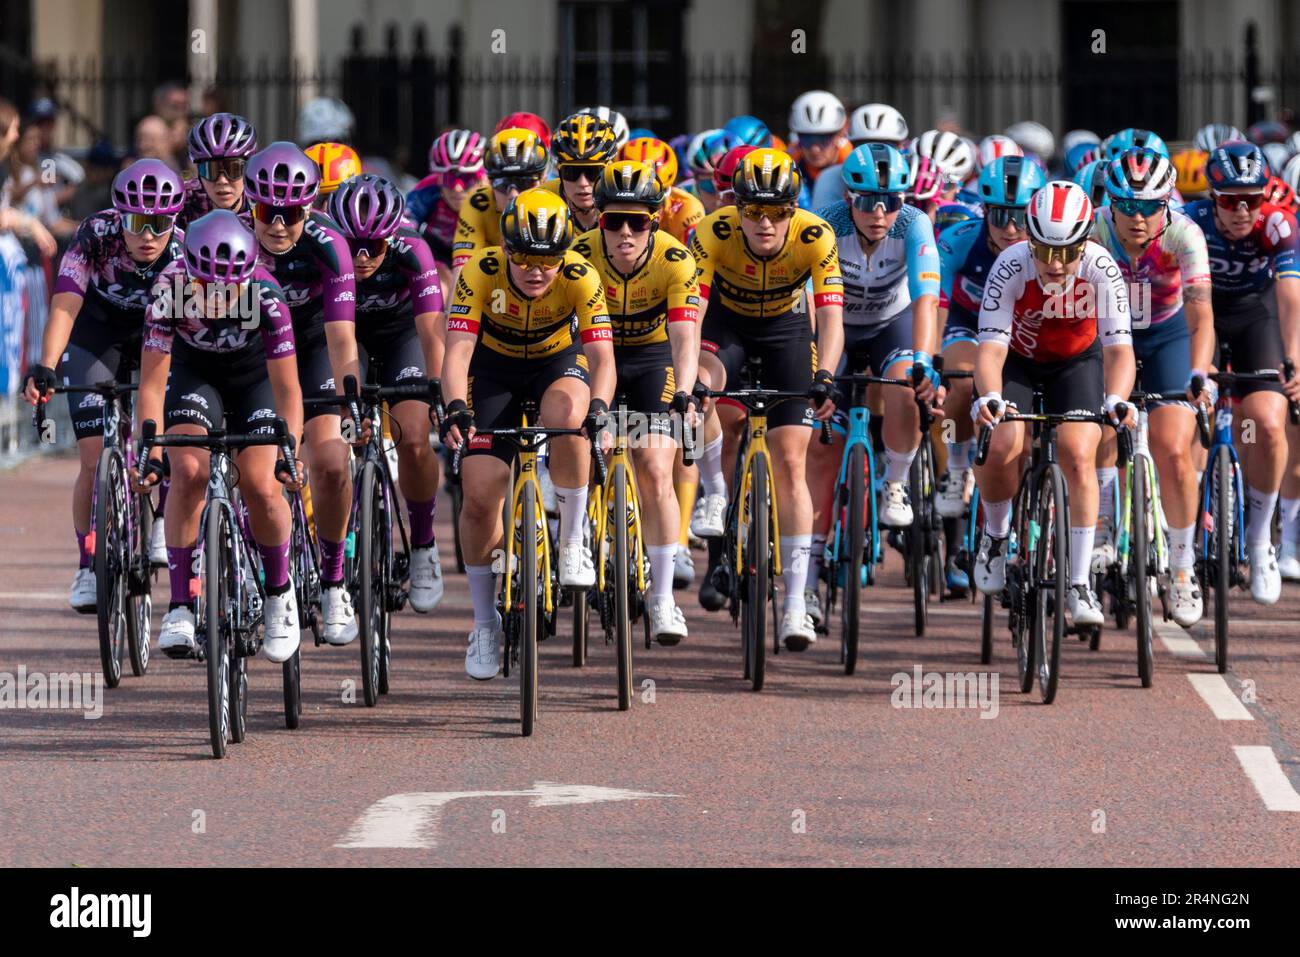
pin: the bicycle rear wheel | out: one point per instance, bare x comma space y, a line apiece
218, 602
1021, 591
1224, 554
918, 569
757, 568
372, 598
622, 585
140, 584
1140, 549
1052, 571
852, 543
111, 563
529, 584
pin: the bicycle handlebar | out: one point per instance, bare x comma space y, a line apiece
535, 436
1054, 419
110, 389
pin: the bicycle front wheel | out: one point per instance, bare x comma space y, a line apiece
852, 543
622, 585
1052, 570
111, 564
140, 588
218, 604
1224, 521
529, 586
372, 594
917, 535
1140, 549
757, 569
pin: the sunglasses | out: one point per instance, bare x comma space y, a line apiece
637, 222
1146, 208
369, 247
156, 223
460, 180
525, 261
816, 139
287, 215
1230, 201
756, 212
1000, 217
867, 202
572, 172
231, 168
504, 184
1062, 254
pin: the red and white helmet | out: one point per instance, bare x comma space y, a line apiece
1060, 214
994, 147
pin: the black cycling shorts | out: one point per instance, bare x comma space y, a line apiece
230, 390
97, 350
1077, 384
785, 345
1248, 326
646, 384
315, 372
498, 387
391, 355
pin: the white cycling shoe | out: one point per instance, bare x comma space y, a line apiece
426, 578
176, 636
483, 656
896, 508
710, 516
1082, 606
1265, 578
813, 603
1288, 562
991, 564
576, 567
797, 630
667, 623
83, 596
1185, 597
951, 500
1103, 547
158, 543
339, 617
280, 632
683, 568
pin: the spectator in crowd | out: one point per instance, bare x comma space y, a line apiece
153, 141
171, 103
12, 219
43, 117
213, 101
35, 187
92, 195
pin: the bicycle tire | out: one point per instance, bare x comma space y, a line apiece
1021, 582
111, 599
986, 632
457, 498
757, 567
1053, 545
622, 587
1139, 549
918, 572
372, 595
1223, 505
528, 586
851, 558
292, 680
141, 586
581, 628
216, 607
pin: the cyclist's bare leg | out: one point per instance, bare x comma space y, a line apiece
999, 476
789, 445
959, 357
88, 452
483, 484
654, 485
418, 468
1259, 434
268, 511
1171, 433
564, 406
327, 458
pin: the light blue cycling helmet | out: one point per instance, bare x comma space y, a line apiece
1010, 181
876, 168
750, 130
641, 133
1079, 155
1132, 138
1092, 177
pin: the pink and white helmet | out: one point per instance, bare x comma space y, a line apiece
948, 150
994, 147
1060, 214
457, 151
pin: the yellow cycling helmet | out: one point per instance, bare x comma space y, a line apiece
766, 176
1190, 168
582, 138
515, 152
537, 223
653, 152
338, 163
629, 181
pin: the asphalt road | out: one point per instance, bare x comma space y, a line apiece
818, 768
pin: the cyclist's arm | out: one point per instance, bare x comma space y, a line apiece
64, 308
426, 301
1114, 327
587, 294
339, 291
470, 236
703, 253
1200, 324
683, 322
990, 357
1288, 314
828, 298
923, 270
156, 358
281, 359
1007, 279
463, 319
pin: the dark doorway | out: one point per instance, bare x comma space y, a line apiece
1133, 83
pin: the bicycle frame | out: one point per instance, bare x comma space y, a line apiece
602, 501
859, 433
525, 474
1124, 538
1222, 436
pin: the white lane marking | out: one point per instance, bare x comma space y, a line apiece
1177, 641
1262, 767
1216, 693
32, 596
411, 819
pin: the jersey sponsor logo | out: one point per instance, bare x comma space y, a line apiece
480, 442
929, 277
262, 413
317, 232
429, 291
283, 348
490, 265
722, 229
195, 398
410, 372
810, 235
480, 201
461, 325
574, 271
346, 296
1276, 228
674, 254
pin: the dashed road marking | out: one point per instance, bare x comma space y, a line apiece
1216, 693
1177, 641
1262, 767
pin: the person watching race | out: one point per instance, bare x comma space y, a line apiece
1054, 315
219, 354
753, 261
95, 327
580, 147
219, 147
890, 269
653, 300
515, 161
529, 321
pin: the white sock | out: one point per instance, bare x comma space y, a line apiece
897, 464
1106, 479
1259, 517
1081, 553
661, 569
815, 561
483, 592
1289, 515
573, 512
710, 461
997, 518
794, 570
1181, 552
961, 455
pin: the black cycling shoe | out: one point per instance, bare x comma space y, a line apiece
711, 598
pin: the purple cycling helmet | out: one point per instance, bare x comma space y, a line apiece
367, 207
219, 248
221, 135
282, 175
148, 186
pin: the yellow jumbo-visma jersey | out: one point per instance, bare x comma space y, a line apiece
680, 214
488, 304
754, 286
663, 290
479, 224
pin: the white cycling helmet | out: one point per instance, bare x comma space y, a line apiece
1073, 138
325, 120
614, 118
877, 123
995, 147
949, 150
1291, 172
1033, 137
816, 112
1278, 155
1060, 214
1209, 136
